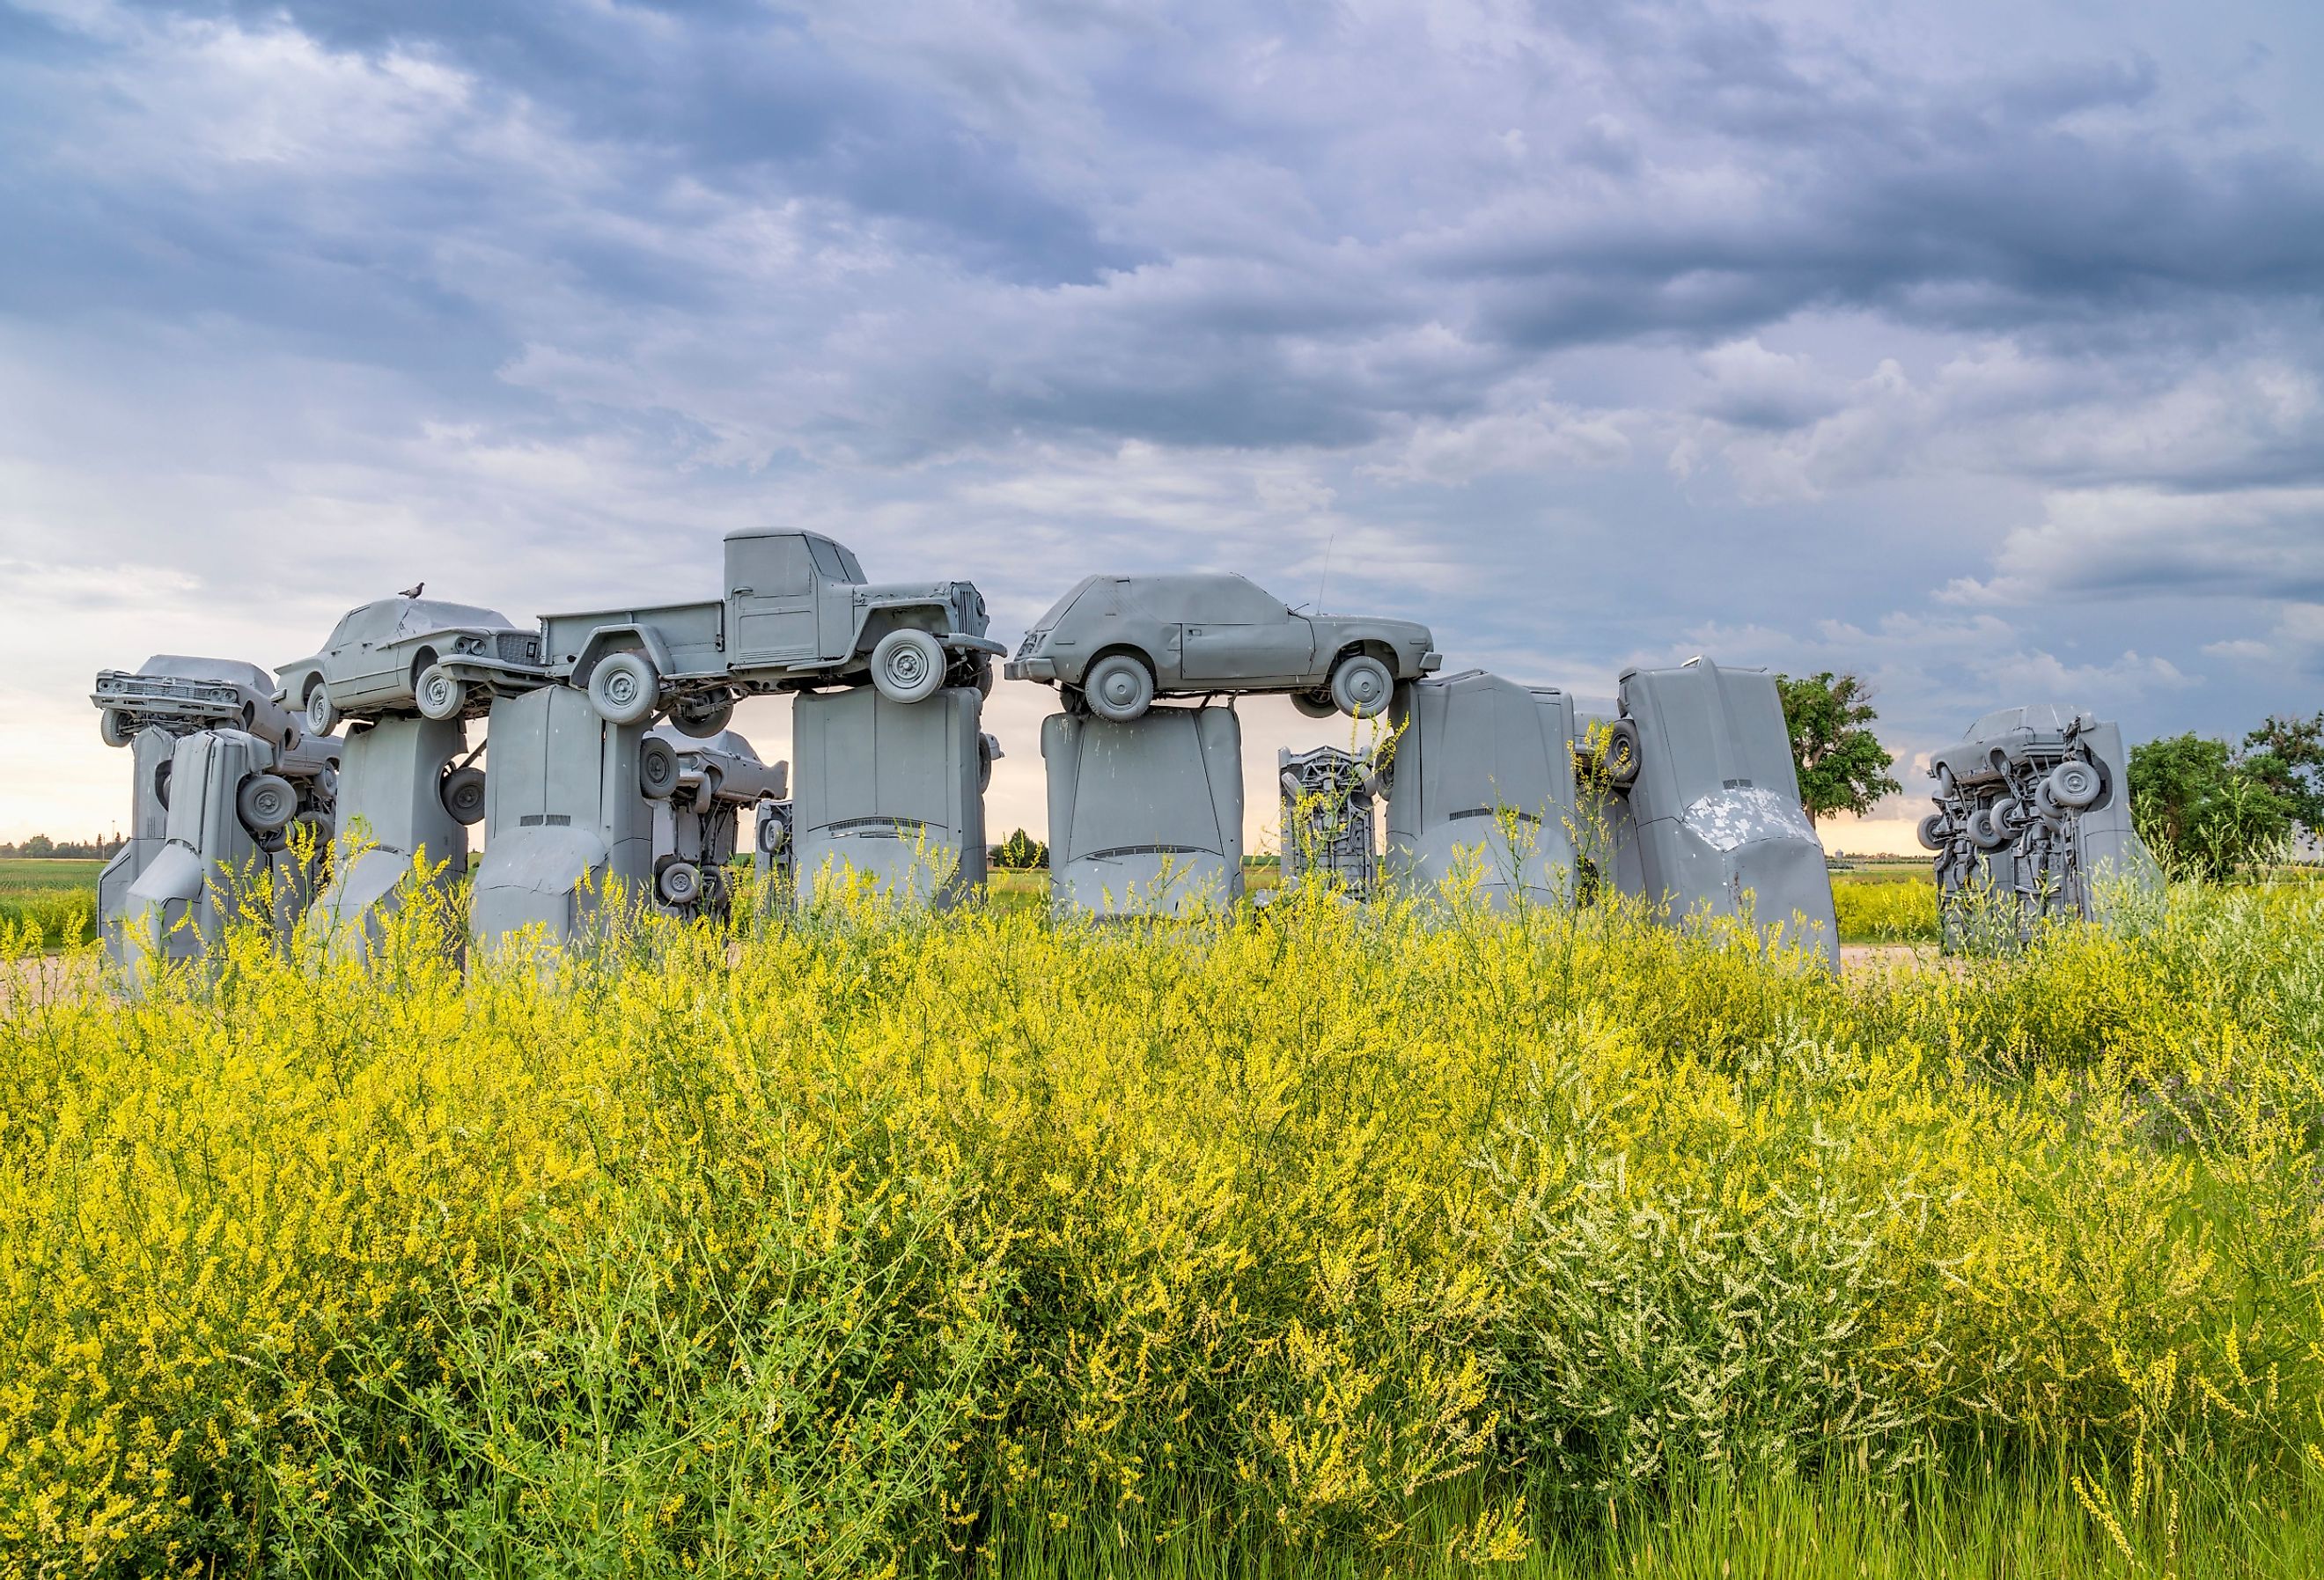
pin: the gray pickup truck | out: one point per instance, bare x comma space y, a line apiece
798, 612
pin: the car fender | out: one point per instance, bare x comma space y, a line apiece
1336, 638
605, 639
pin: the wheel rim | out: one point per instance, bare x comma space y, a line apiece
906, 666
1119, 688
621, 687
318, 712
436, 695
1362, 685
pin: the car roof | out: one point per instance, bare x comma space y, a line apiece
2045, 718
226, 671
436, 615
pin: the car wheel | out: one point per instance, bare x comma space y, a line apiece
1622, 753
1935, 831
657, 768
1118, 687
2074, 785
701, 718
680, 883
266, 803
161, 781
1360, 686
437, 695
1985, 832
1315, 705
908, 665
624, 688
116, 728
463, 794
322, 717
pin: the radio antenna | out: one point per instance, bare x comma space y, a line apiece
1325, 586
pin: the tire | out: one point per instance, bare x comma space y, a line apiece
698, 723
1118, 687
987, 749
463, 795
1622, 753
770, 835
116, 728
680, 884
1935, 831
266, 803
624, 688
2007, 813
437, 695
1983, 832
322, 717
2075, 785
1362, 685
1314, 704
161, 781
908, 665
657, 768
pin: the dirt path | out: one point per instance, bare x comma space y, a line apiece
47, 976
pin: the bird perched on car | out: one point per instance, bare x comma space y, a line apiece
414, 590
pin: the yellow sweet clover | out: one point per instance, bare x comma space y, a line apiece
827, 1246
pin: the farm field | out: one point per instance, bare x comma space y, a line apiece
58, 896
1312, 1242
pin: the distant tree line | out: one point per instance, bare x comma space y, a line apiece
40, 845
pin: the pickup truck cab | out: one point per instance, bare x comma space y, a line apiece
798, 612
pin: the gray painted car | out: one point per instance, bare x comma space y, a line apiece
405, 654
797, 613
1116, 642
179, 694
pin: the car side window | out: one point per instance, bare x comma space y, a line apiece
1241, 603
827, 559
776, 567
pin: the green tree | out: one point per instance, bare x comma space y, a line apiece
1020, 852
40, 845
1842, 765
2205, 811
2287, 755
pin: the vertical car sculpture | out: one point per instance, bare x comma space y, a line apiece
568, 822
1481, 788
152, 710
700, 790
1330, 825
891, 793
2033, 807
1145, 816
1707, 803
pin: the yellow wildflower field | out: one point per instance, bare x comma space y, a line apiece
834, 1245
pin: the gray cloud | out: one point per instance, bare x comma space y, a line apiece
1587, 332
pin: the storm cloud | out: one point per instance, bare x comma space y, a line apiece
1973, 346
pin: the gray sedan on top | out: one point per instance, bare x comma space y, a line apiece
1116, 642
409, 654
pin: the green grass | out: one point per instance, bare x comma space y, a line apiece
57, 895
1887, 904
1845, 1526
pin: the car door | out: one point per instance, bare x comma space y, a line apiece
361, 662
1236, 634
771, 599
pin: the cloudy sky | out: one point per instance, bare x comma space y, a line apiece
1971, 346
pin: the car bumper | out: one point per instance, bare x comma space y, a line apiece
1430, 662
1033, 669
975, 644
